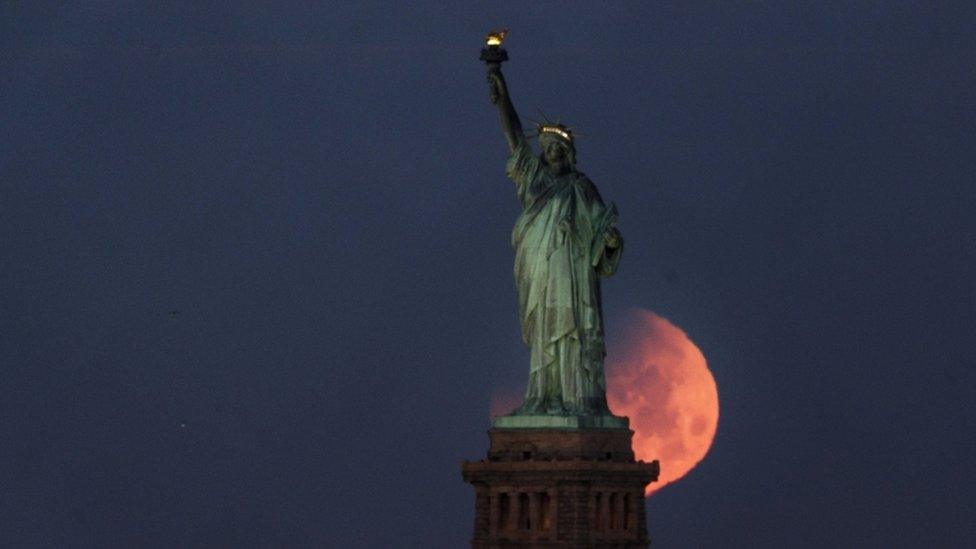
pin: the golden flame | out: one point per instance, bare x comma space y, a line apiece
495, 38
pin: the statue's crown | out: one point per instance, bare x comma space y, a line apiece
556, 130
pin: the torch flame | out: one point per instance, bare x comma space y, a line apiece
495, 38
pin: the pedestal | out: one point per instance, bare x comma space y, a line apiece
559, 487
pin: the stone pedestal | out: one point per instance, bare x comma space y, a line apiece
559, 487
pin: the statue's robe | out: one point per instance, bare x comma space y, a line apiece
559, 256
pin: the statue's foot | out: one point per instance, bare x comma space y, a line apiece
593, 407
556, 409
530, 407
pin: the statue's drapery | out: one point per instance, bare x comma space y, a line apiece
559, 256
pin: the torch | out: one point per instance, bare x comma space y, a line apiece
493, 54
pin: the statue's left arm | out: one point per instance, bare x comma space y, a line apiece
613, 247
607, 244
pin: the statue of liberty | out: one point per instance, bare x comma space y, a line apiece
565, 239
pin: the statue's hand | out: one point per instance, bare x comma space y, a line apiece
612, 238
496, 87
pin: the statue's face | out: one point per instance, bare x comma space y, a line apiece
556, 152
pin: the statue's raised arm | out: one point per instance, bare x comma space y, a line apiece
498, 93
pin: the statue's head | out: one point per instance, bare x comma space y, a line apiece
558, 150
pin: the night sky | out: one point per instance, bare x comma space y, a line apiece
256, 279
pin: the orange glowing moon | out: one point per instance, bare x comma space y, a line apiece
659, 379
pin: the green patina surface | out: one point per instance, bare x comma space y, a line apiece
565, 239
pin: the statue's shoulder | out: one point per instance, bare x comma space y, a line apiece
586, 185
583, 181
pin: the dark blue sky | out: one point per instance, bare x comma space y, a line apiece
255, 272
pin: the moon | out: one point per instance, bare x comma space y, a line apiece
659, 379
